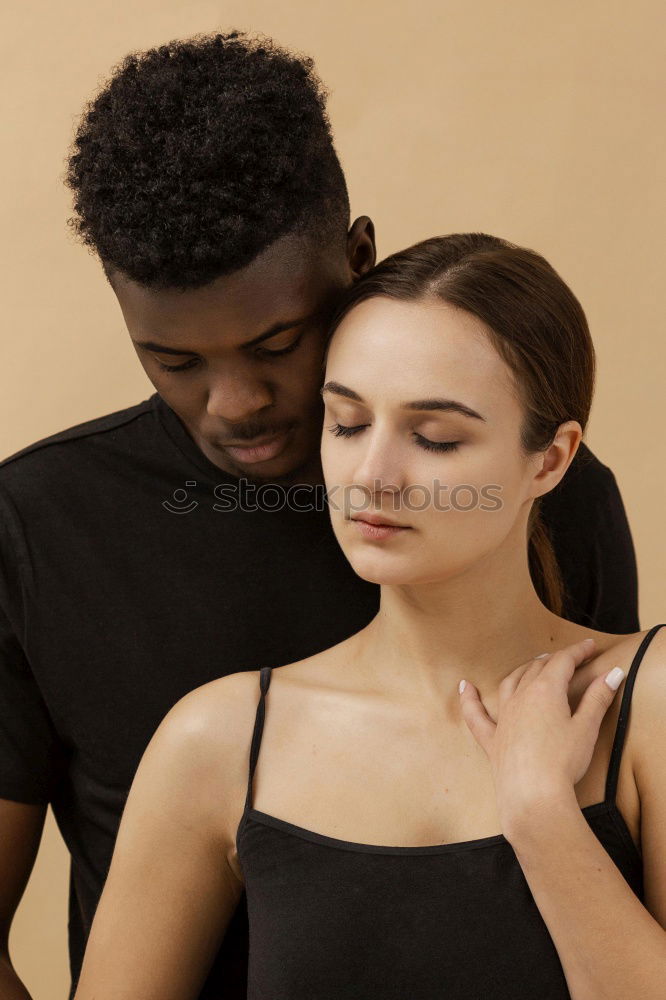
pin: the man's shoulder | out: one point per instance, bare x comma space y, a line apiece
87, 429
58, 451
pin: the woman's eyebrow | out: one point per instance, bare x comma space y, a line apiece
448, 405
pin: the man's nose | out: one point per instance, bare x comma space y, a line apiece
236, 398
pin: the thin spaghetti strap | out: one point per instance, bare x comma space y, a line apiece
264, 681
623, 717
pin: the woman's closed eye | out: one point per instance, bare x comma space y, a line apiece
340, 430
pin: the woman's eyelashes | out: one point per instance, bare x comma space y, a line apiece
261, 352
435, 445
339, 430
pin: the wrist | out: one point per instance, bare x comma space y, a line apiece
539, 813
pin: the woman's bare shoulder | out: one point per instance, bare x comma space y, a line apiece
646, 739
648, 699
201, 748
620, 648
215, 717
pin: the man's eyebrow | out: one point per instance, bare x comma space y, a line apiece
448, 405
151, 345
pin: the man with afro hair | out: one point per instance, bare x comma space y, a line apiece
149, 551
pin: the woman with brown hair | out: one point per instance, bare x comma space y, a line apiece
456, 802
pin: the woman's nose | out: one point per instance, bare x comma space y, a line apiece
379, 469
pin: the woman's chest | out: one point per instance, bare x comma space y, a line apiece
393, 782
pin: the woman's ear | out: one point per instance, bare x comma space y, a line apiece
556, 459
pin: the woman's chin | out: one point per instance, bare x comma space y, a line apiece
373, 571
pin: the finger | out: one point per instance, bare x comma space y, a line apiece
597, 699
529, 670
532, 668
562, 664
478, 721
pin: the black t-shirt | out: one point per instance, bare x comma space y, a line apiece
133, 571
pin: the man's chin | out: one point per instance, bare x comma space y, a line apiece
289, 470
291, 466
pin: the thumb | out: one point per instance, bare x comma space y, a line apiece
598, 698
478, 721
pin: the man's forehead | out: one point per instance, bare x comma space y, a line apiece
236, 306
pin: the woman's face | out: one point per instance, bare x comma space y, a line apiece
422, 429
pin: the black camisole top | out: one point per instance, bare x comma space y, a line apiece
332, 919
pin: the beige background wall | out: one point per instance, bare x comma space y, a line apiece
536, 120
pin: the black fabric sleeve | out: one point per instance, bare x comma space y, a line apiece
31, 756
588, 526
613, 600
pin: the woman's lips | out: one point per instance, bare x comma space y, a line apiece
377, 532
262, 452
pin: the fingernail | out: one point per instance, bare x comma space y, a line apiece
461, 687
541, 656
614, 678
589, 642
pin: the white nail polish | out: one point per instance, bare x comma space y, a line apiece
541, 656
614, 678
462, 686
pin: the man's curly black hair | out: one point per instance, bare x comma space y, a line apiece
197, 155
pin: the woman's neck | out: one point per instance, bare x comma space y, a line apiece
480, 625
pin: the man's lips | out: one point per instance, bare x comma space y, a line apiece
259, 449
254, 442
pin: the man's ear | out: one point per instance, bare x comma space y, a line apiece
556, 459
361, 248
